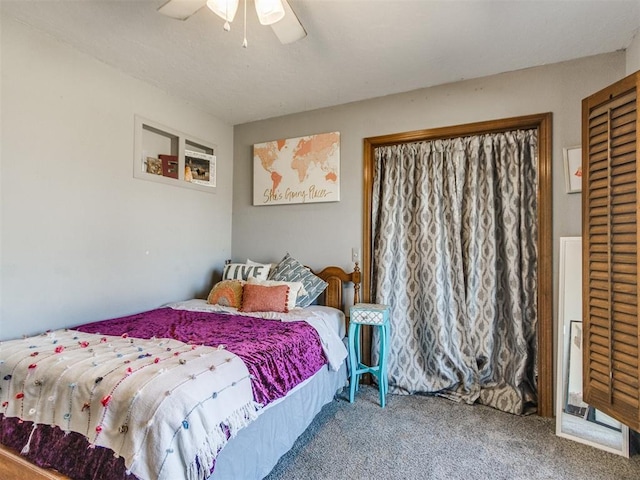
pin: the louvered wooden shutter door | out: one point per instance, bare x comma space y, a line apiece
610, 251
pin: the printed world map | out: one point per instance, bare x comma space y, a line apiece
297, 170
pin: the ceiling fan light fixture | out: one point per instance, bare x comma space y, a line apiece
225, 9
269, 11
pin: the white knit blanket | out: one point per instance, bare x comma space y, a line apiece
161, 404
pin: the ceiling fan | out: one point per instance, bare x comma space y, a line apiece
276, 13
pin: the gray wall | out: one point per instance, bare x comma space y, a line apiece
80, 238
323, 234
633, 55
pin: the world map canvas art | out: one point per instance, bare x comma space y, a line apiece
297, 170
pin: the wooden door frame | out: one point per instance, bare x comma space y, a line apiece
545, 228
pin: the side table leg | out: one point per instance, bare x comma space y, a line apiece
382, 340
387, 350
353, 360
357, 339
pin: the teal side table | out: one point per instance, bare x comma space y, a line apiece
376, 315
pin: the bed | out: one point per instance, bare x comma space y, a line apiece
153, 346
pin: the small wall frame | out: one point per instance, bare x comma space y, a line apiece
573, 169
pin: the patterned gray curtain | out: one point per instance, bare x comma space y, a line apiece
454, 255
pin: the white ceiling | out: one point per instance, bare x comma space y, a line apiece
355, 49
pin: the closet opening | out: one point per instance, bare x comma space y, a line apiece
538, 128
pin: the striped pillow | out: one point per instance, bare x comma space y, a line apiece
291, 270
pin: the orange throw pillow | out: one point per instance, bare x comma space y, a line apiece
259, 298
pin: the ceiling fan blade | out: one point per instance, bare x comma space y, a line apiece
181, 9
289, 29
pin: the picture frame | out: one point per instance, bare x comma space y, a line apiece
297, 170
573, 169
200, 168
596, 416
574, 404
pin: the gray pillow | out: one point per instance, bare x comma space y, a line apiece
291, 270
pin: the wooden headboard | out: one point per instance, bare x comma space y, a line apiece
336, 278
